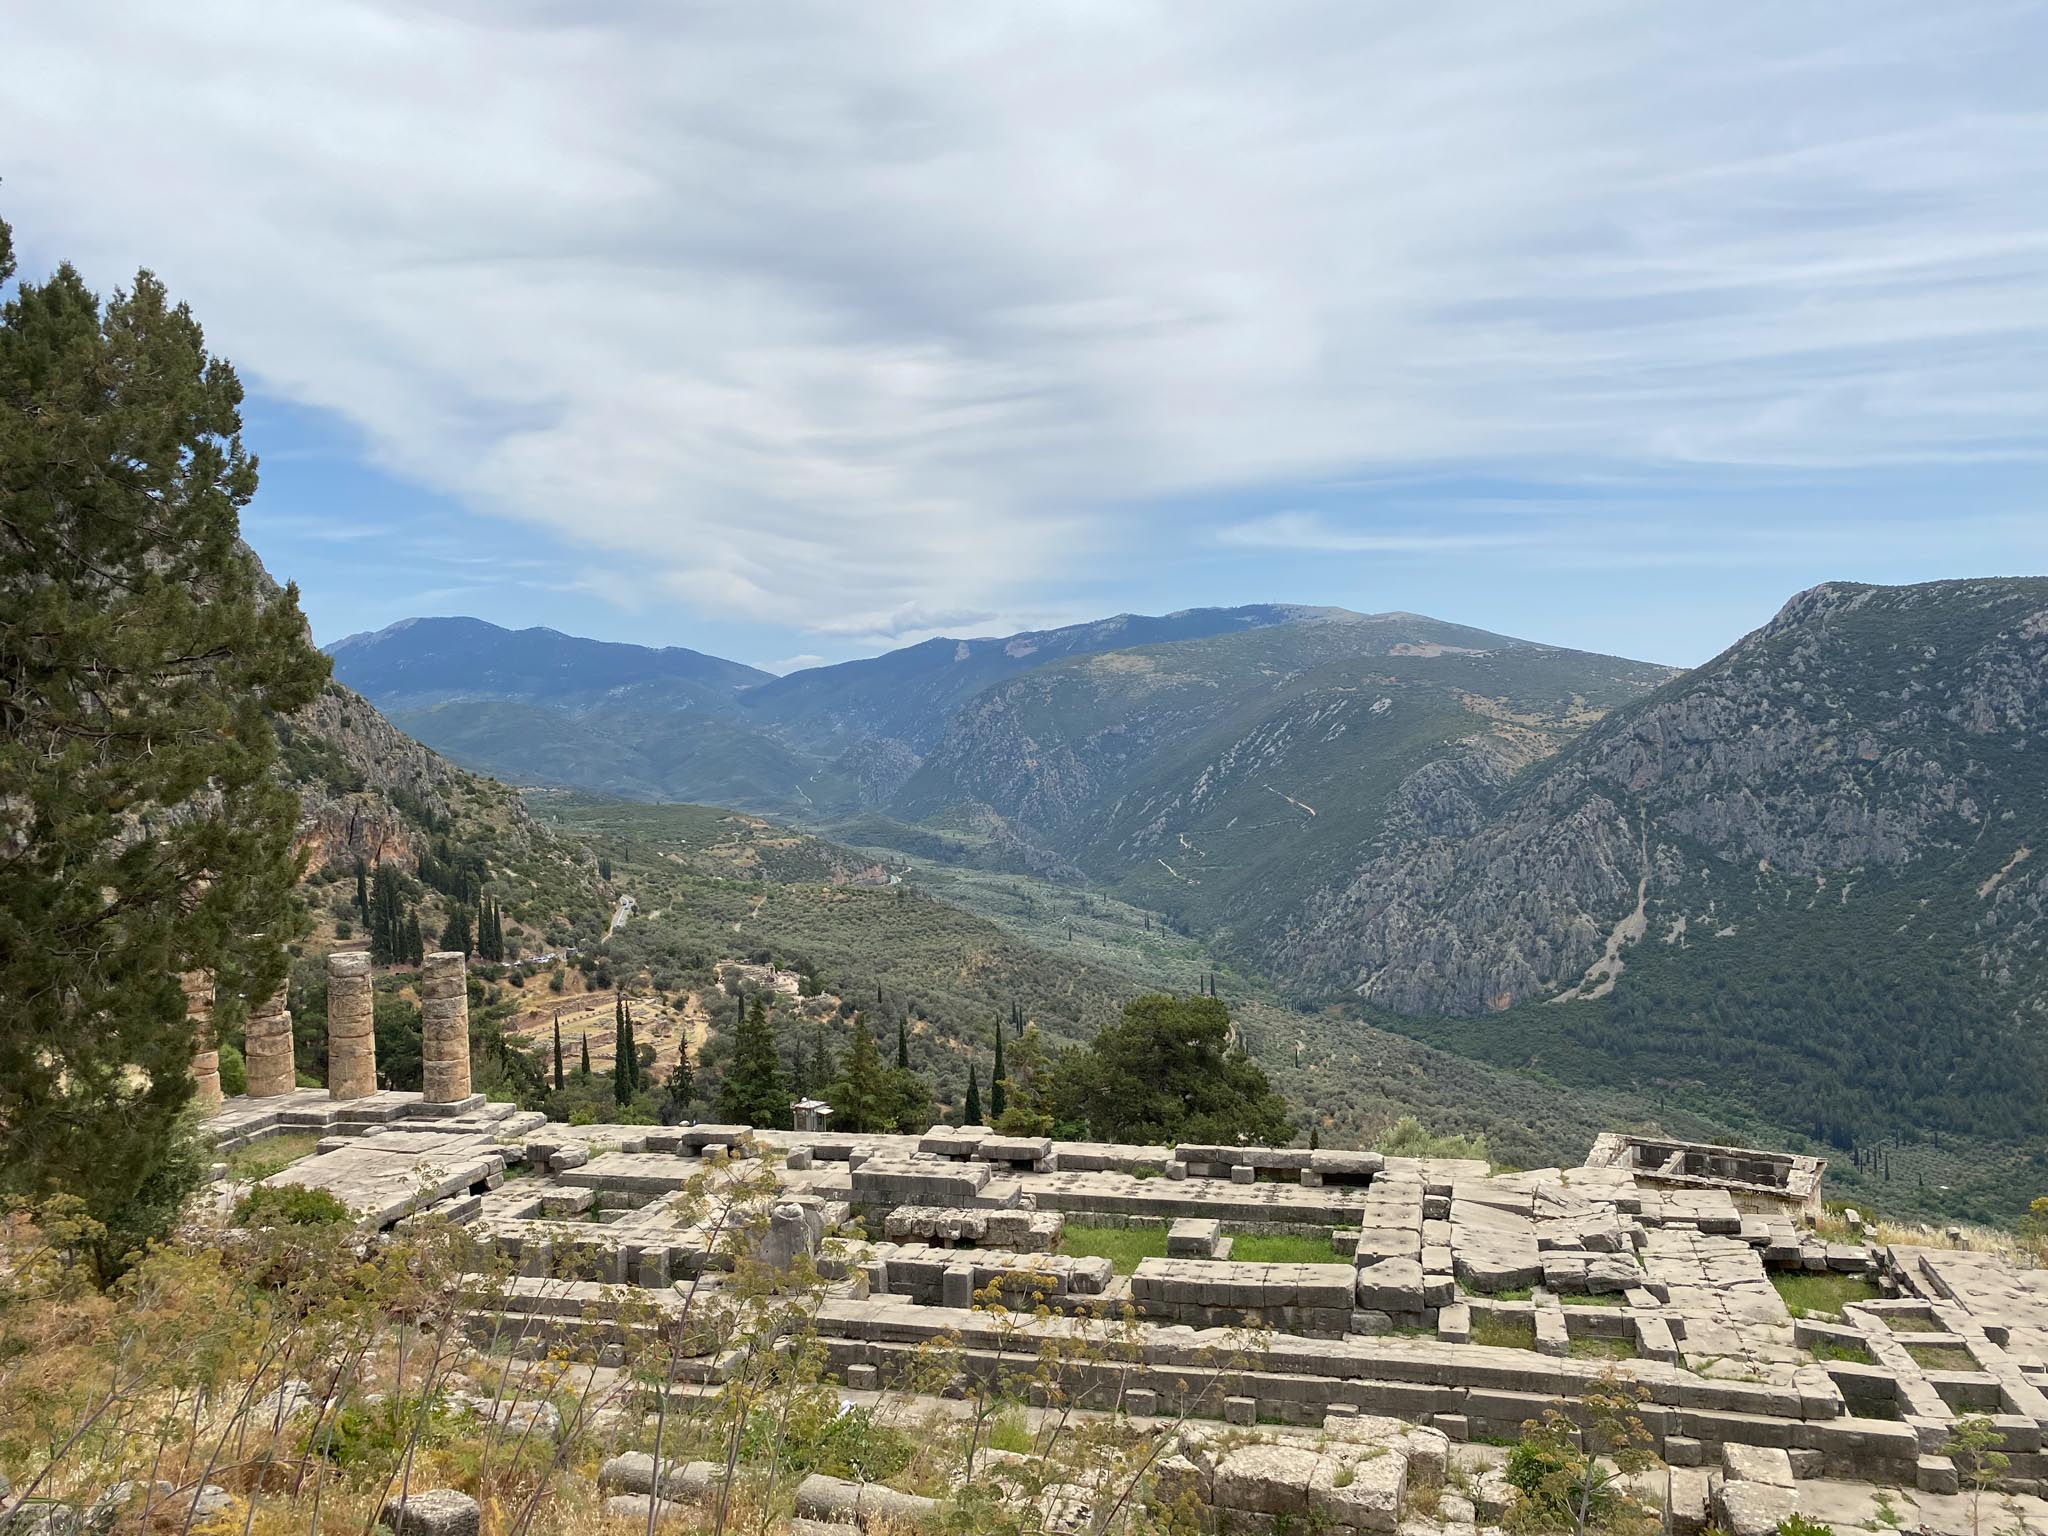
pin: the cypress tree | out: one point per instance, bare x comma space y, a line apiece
822, 1070
681, 1087
903, 1043
860, 1100
585, 1069
971, 1115
455, 932
560, 1082
633, 1082
622, 1071
998, 1097
386, 918
362, 892
145, 655
415, 941
753, 1092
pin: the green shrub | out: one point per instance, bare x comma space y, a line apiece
1799, 1525
290, 1205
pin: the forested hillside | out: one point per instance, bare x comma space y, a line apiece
1802, 879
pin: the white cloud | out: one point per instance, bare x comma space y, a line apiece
871, 319
1307, 531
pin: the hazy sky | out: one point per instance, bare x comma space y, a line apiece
790, 331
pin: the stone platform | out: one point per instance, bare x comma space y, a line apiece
1453, 1297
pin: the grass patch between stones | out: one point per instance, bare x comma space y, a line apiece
1830, 1349
1906, 1322
1124, 1247
1943, 1357
1504, 1330
273, 1154
1604, 1299
1813, 1294
1596, 1347
1281, 1248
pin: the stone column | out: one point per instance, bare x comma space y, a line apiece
205, 1050
444, 1028
351, 1026
267, 1047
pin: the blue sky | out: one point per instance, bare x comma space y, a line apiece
799, 331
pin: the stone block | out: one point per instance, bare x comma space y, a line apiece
1243, 1173
1370, 1496
1552, 1337
863, 1378
1756, 1464
1683, 1451
1935, 1474
1755, 1509
956, 1286
1266, 1479
1240, 1410
1454, 1323
1141, 1402
1391, 1285
1193, 1237
838, 1501
433, 1512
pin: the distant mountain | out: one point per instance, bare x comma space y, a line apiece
370, 794
417, 663
1232, 780
1811, 875
909, 696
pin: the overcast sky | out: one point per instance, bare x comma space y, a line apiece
801, 331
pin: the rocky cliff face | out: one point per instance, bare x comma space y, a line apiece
1863, 733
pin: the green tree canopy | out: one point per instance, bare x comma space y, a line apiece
863, 1099
753, 1092
143, 833
1167, 1072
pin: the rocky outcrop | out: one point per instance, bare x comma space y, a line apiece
1862, 729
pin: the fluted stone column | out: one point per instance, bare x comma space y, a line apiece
351, 1026
206, 1092
444, 1027
267, 1047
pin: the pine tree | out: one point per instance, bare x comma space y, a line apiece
144, 657
903, 1043
560, 1082
998, 1096
971, 1114
860, 1099
753, 1091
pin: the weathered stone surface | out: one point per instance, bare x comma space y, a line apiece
819, 1497
1391, 1285
444, 1028
1755, 1509
267, 1050
433, 1512
1370, 1497
1265, 1479
351, 1026
1756, 1464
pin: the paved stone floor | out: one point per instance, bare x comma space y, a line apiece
1450, 1297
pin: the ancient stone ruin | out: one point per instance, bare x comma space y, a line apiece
1454, 1304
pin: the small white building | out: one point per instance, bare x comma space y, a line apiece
810, 1114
